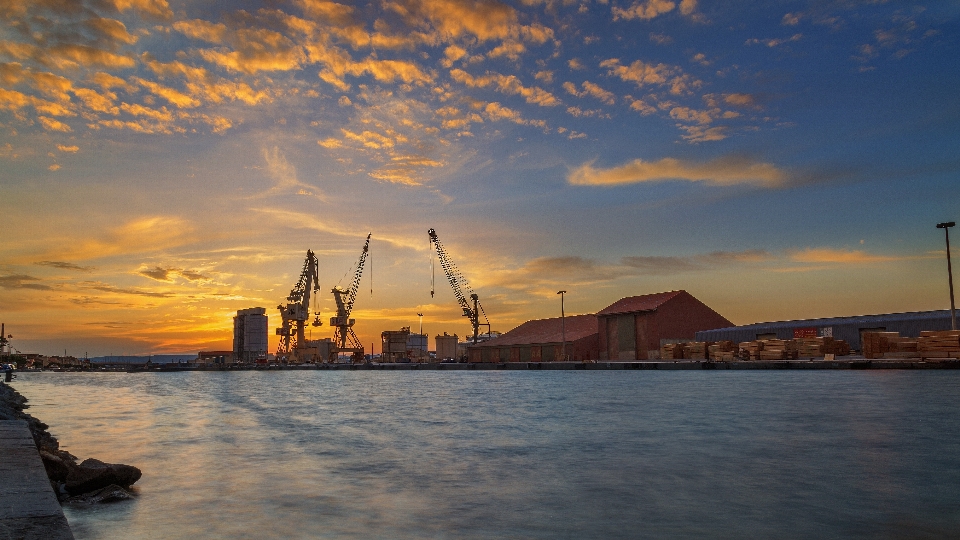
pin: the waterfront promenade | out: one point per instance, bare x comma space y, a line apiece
28, 507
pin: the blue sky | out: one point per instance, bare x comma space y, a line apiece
164, 163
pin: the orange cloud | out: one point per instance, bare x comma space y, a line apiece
202, 30
175, 97
97, 102
155, 8
720, 172
506, 84
643, 10
838, 256
50, 124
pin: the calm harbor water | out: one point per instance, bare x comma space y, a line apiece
495, 454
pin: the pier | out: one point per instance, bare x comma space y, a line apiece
29, 509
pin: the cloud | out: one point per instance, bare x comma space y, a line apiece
405, 169
591, 89
643, 10
105, 287
284, 176
51, 124
484, 20
22, 281
65, 266
741, 100
544, 274
159, 273
644, 74
727, 171
669, 265
838, 256
651, 265
506, 84
774, 42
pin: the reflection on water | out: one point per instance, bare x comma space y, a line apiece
597, 454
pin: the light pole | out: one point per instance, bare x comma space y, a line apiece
953, 312
563, 329
425, 347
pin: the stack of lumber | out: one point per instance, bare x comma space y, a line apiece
876, 343
779, 349
901, 347
722, 351
750, 350
889, 345
821, 346
839, 347
695, 350
671, 351
813, 346
941, 344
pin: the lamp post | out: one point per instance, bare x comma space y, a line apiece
563, 329
953, 312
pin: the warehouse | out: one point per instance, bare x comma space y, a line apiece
848, 329
541, 340
633, 328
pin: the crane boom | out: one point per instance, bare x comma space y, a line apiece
356, 276
458, 283
297, 310
342, 323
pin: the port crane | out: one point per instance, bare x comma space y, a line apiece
460, 286
344, 338
297, 310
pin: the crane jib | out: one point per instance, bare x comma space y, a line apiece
459, 283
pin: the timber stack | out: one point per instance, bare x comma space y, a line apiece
939, 344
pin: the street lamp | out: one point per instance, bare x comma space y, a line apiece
563, 329
953, 312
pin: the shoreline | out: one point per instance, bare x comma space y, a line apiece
853, 363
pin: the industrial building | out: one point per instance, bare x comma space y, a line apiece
250, 335
849, 329
631, 328
541, 340
446, 346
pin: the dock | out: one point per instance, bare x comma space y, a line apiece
28, 506
662, 365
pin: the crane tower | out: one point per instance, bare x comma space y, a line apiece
345, 340
296, 312
460, 288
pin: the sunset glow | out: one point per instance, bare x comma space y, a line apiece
164, 163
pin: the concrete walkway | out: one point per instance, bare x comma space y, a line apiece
28, 507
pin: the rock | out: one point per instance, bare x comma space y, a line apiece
111, 493
94, 474
57, 468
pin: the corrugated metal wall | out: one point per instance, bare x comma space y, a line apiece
845, 328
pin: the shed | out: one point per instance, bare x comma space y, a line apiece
541, 340
633, 328
848, 329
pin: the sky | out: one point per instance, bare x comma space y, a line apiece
166, 163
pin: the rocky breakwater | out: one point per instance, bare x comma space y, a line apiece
90, 481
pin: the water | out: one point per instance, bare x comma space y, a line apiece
494, 454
